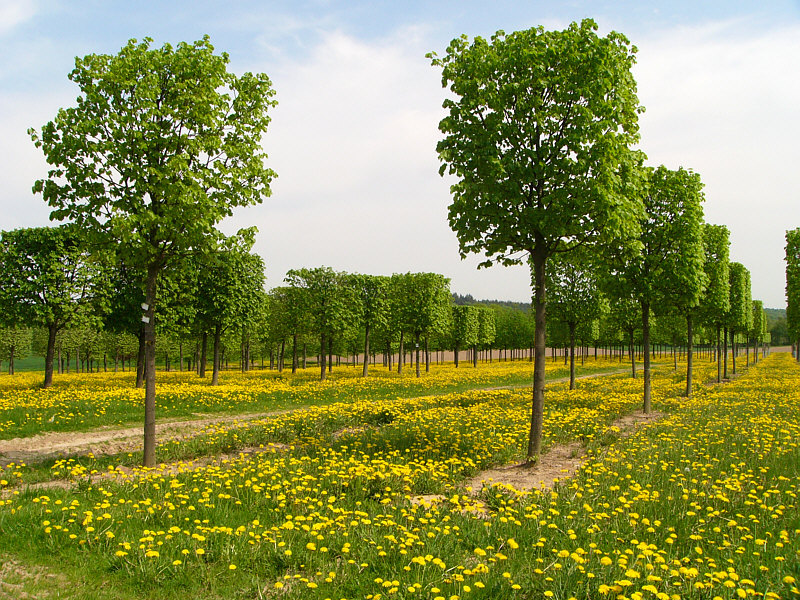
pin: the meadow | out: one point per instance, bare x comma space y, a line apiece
81, 401
364, 495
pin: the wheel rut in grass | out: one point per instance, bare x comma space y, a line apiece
561, 461
107, 440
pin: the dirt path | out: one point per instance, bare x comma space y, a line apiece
109, 440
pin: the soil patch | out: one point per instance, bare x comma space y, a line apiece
23, 582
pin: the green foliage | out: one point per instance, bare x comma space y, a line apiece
465, 326
715, 302
793, 283
538, 134
229, 287
487, 327
668, 272
573, 294
740, 314
48, 278
161, 145
421, 302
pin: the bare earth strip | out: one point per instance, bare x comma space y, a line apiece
560, 462
105, 441
108, 441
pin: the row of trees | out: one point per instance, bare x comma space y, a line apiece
540, 134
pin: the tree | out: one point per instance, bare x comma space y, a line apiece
47, 278
793, 288
573, 295
757, 326
715, 301
740, 315
328, 301
538, 135
668, 272
487, 331
15, 343
370, 292
421, 302
161, 146
465, 328
229, 287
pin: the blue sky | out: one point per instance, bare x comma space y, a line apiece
353, 137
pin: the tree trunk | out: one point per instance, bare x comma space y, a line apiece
572, 326
456, 352
322, 373
216, 367
294, 353
689, 354
416, 344
631, 353
735, 347
427, 357
330, 354
725, 353
719, 355
401, 356
203, 355
150, 368
646, 354
140, 359
539, 340
365, 370
52, 329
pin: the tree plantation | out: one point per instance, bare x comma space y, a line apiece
629, 434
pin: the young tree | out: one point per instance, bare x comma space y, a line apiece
229, 290
465, 329
47, 278
740, 315
537, 134
756, 329
793, 288
421, 302
715, 301
487, 331
371, 294
668, 272
573, 295
161, 146
328, 301
15, 343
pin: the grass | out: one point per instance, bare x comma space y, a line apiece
702, 504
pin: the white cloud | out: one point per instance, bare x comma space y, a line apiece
15, 12
353, 142
722, 99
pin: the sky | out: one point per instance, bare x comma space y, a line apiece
354, 134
